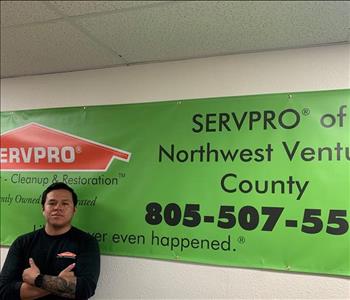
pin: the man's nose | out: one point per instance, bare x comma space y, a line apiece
58, 206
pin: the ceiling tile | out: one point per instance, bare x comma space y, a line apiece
74, 8
23, 12
195, 29
50, 48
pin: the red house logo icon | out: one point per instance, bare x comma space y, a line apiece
35, 147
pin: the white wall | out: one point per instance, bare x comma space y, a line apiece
310, 69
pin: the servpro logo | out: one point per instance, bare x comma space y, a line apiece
35, 147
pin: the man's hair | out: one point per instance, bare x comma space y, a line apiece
59, 186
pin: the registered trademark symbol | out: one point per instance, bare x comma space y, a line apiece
306, 111
78, 149
241, 239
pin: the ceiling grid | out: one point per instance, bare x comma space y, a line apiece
42, 37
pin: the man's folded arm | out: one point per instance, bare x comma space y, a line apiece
67, 287
62, 285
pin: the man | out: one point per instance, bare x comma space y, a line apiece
55, 262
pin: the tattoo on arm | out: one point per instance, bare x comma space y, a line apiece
60, 286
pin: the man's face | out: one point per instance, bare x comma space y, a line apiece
59, 208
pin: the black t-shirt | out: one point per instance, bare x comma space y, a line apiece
52, 254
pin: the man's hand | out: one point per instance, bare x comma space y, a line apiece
30, 273
67, 274
29, 292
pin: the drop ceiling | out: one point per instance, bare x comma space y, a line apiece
41, 37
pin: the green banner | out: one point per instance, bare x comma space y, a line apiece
252, 181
